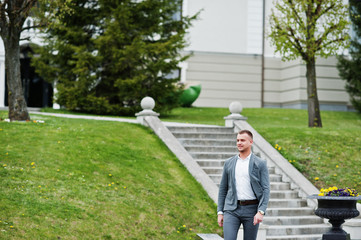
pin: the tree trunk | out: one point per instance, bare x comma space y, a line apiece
17, 105
314, 113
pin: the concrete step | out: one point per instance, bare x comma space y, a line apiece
220, 163
210, 162
205, 236
201, 129
284, 194
275, 177
292, 220
278, 230
279, 186
206, 142
202, 148
216, 178
284, 203
304, 211
210, 155
206, 135
296, 237
213, 170
216, 172
271, 170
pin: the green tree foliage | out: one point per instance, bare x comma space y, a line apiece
105, 56
350, 68
307, 29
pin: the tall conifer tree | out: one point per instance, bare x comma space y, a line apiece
107, 55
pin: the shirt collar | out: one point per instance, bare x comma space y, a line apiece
246, 159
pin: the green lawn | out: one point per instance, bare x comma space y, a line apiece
84, 179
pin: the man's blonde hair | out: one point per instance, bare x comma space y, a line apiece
245, 131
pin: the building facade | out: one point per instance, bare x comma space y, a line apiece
226, 43
226, 46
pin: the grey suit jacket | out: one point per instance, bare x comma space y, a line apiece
258, 171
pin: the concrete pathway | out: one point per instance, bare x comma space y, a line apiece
115, 119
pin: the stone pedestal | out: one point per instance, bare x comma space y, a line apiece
235, 109
336, 209
147, 105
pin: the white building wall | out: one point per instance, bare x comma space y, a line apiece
226, 78
286, 85
228, 26
221, 26
2, 74
237, 77
254, 26
2, 80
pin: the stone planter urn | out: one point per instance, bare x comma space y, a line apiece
336, 209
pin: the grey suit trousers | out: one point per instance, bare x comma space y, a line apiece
241, 215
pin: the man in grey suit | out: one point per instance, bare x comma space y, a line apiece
244, 191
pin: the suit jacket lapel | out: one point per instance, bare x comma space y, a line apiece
251, 165
233, 170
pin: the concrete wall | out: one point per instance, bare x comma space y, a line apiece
226, 78
286, 85
228, 26
232, 26
237, 77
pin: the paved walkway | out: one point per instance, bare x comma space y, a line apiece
115, 119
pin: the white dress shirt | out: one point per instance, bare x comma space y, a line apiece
243, 181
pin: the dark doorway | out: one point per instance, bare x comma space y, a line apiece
37, 92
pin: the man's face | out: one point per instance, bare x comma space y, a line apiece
244, 142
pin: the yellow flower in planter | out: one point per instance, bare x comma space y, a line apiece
338, 192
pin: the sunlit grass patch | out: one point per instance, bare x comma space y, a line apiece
85, 179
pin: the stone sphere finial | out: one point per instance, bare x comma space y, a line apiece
147, 103
235, 107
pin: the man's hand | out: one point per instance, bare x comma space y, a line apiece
257, 218
220, 220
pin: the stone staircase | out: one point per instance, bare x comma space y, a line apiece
288, 216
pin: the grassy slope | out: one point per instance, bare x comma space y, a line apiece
83, 179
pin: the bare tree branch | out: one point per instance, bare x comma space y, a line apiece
33, 27
330, 42
295, 13
25, 6
3, 18
324, 11
25, 39
325, 34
